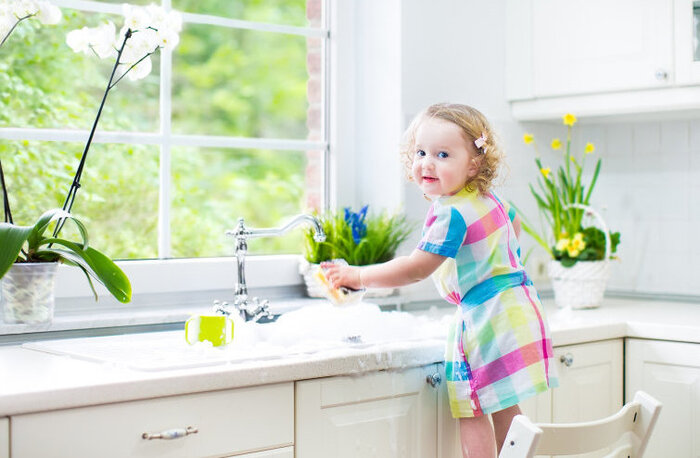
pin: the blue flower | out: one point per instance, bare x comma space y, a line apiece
357, 223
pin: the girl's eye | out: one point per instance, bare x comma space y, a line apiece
442, 154
420, 153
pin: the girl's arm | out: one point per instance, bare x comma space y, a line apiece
399, 271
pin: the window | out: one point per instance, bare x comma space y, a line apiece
231, 123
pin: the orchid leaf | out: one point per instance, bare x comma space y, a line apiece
12, 239
100, 267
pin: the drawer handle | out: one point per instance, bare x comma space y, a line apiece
170, 434
434, 380
567, 359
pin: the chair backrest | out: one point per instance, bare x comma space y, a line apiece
636, 419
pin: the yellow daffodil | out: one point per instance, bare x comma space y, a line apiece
589, 148
576, 245
569, 119
545, 171
562, 244
572, 252
528, 138
556, 144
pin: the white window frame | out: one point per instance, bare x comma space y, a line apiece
164, 275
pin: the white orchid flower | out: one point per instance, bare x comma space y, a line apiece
152, 28
168, 38
24, 8
104, 40
48, 13
158, 16
79, 40
135, 17
100, 40
141, 70
174, 21
141, 43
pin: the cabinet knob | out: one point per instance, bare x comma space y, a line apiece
567, 359
661, 74
170, 434
434, 380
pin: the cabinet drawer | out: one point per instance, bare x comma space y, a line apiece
234, 421
4, 438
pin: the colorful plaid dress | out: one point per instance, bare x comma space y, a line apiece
499, 350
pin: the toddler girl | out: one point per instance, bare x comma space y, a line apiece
499, 350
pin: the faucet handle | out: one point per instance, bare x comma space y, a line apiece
221, 308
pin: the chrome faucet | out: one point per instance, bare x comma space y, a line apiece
255, 309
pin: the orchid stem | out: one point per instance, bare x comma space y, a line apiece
130, 68
5, 197
13, 28
70, 198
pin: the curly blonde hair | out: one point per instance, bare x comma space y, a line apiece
473, 124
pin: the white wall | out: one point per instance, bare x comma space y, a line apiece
649, 188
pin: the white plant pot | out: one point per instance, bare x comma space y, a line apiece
580, 286
27, 294
314, 289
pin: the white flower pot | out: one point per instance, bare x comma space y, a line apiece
580, 286
314, 289
27, 295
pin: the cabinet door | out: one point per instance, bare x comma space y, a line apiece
670, 372
449, 442
286, 452
230, 422
388, 414
4, 438
687, 41
588, 46
590, 381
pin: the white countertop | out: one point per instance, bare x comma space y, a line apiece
33, 381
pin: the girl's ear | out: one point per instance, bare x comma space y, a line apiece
474, 166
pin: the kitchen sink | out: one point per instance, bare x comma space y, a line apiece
310, 330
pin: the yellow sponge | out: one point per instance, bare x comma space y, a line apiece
337, 296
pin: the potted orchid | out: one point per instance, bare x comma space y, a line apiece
28, 257
360, 238
580, 251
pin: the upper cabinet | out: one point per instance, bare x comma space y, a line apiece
601, 58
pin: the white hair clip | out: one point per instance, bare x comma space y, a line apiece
481, 142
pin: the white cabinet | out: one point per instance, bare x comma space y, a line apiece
388, 414
257, 420
585, 46
600, 58
590, 381
4, 438
590, 384
669, 371
687, 50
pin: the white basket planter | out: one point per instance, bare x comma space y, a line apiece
314, 289
27, 295
582, 286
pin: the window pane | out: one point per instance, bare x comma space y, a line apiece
302, 13
43, 83
117, 201
212, 188
240, 83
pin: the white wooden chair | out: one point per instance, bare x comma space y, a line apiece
635, 420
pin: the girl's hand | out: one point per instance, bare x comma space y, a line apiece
339, 275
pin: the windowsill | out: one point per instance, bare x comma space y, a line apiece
129, 319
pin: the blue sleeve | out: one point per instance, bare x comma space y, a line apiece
444, 231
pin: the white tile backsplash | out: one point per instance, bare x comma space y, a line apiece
648, 189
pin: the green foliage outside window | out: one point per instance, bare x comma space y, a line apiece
225, 82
